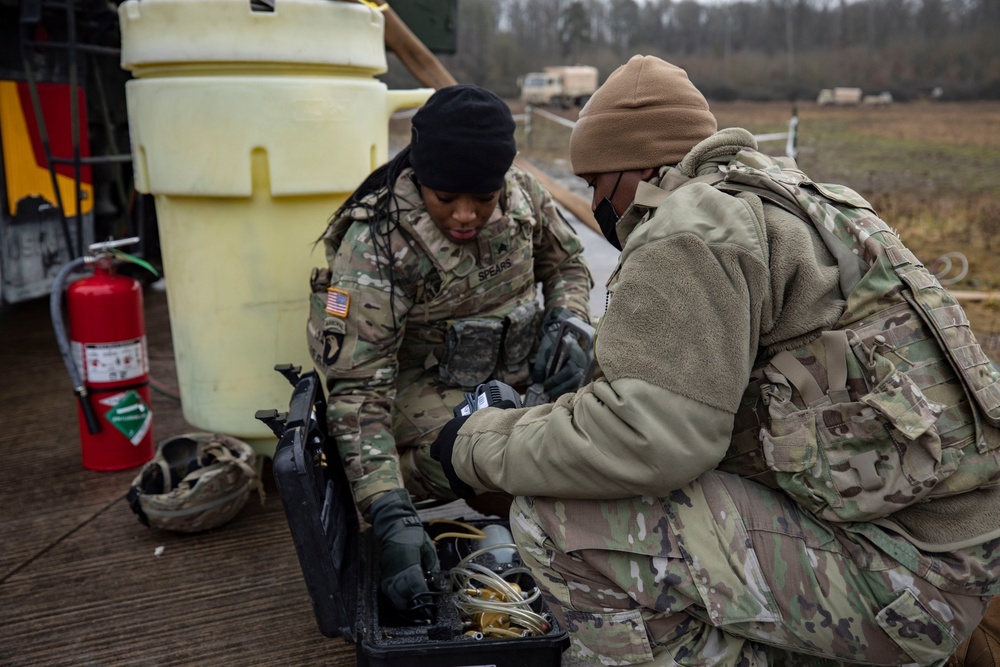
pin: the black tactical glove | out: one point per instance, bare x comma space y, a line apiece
405, 554
444, 445
441, 450
571, 375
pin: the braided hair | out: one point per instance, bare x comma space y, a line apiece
383, 215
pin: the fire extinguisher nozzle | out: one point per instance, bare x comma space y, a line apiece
93, 424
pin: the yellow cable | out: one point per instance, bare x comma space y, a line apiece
473, 534
502, 632
468, 536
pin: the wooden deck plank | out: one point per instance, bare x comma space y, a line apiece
44, 490
79, 581
233, 596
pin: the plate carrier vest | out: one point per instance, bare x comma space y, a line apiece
446, 330
897, 404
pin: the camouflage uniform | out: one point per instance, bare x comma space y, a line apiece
728, 572
650, 518
398, 347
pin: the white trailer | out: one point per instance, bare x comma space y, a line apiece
839, 97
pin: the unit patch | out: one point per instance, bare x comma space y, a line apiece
337, 302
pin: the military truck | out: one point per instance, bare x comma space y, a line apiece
559, 86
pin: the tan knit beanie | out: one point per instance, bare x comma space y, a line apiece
647, 114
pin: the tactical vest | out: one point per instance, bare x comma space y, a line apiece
482, 319
897, 404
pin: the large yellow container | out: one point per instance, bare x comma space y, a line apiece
249, 128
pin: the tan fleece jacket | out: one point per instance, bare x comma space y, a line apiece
705, 282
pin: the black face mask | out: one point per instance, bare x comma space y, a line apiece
607, 218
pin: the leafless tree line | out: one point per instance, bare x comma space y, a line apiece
747, 49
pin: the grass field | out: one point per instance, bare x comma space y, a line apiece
931, 170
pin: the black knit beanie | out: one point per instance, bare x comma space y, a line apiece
462, 141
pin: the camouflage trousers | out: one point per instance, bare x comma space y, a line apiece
422, 407
728, 572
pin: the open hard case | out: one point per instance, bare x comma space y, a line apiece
339, 565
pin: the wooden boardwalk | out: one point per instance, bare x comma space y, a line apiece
80, 584
79, 581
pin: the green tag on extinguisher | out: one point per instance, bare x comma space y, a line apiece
130, 415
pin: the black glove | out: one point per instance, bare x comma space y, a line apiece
405, 554
570, 376
444, 445
441, 450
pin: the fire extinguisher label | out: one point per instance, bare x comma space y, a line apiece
129, 414
111, 362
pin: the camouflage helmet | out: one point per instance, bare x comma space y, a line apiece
194, 482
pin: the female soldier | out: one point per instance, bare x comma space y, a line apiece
431, 290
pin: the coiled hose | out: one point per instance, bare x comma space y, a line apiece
55, 311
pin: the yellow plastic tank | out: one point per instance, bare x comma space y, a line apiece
249, 128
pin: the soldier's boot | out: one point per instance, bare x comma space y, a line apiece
982, 647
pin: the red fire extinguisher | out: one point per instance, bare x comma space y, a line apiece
107, 347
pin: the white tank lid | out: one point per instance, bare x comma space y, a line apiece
296, 32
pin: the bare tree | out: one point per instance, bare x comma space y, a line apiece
624, 17
761, 48
574, 30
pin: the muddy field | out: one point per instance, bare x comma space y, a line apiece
930, 169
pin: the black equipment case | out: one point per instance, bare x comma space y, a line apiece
339, 566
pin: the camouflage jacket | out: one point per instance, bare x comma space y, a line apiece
893, 406
711, 286
369, 323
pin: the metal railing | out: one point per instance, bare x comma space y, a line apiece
790, 137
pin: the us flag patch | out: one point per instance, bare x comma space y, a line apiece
337, 302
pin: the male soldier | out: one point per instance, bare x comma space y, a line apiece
431, 290
793, 448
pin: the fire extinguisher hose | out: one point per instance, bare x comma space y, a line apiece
55, 310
